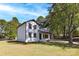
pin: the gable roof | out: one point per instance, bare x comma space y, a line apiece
29, 21
21, 24
34, 21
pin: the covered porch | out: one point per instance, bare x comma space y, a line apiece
44, 35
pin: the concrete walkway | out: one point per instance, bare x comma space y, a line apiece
61, 41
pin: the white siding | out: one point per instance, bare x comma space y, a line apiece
32, 39
21, 33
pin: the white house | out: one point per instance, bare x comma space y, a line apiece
31, 31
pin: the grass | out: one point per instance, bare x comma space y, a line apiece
12, 48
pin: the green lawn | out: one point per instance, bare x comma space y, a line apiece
37, 49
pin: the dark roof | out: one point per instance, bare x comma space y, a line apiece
21, 24
33, 20
29, 21
44, 30
43, 22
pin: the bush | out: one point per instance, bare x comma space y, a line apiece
76, 33
2, 36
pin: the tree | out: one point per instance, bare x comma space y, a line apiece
11, 28
2, 27
64, 18
15, 21
2, 22
40, 18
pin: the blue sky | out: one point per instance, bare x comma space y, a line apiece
23, 11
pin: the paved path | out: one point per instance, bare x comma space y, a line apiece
60, 41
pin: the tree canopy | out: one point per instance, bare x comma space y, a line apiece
11, 28
40, 18
64, 18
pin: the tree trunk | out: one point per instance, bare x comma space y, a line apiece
70, 28
70, 39
64, 32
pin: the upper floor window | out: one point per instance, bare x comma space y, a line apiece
35, 26
30, 26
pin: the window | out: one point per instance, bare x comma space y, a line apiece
30, 26
45, 35
34, 35
30, 35
34, 26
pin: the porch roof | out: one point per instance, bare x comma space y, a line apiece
44, 30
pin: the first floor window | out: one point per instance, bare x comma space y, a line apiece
34, 35
30, 35
45, 35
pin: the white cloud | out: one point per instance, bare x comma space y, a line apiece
35, 13
14, 10
6, 8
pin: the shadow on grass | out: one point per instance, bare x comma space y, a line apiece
62, 45
16, 42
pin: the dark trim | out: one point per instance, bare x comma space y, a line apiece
44, 32
21, 24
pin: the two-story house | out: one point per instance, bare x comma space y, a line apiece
31, 31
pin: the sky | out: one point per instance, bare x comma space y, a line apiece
23, 11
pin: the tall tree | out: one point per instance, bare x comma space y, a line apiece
15, 21
64, 17
11, 28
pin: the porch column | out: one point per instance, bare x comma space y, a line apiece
49, 36
42, 36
